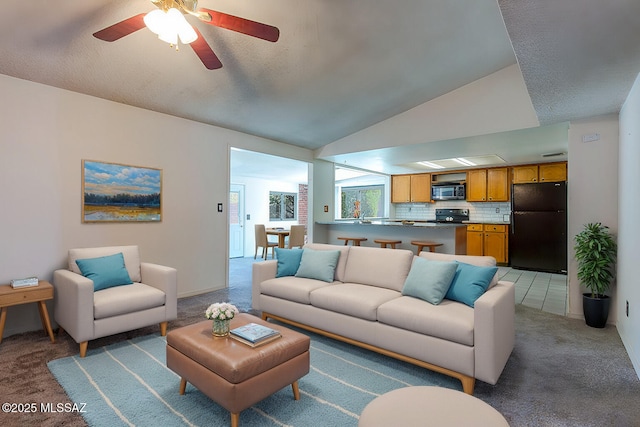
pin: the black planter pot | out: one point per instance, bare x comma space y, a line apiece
596, 310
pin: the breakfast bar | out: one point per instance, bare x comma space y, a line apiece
452, 236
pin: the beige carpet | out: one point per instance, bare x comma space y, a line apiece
561, 373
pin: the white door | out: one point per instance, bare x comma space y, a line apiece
236, 221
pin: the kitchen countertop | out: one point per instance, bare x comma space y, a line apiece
408, 222
393, 223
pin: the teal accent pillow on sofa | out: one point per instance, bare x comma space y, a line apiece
469, 283
429, 280
106, 272
288, 261
320, 265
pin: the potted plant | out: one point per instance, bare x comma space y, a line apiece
596, 255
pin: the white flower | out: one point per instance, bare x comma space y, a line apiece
221, 311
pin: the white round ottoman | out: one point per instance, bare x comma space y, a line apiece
429, 406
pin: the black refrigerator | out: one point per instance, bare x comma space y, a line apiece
538, 239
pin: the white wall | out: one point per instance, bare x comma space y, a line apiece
629, 226
322, 193
45, 134
593, 192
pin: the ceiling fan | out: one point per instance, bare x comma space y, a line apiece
169, 23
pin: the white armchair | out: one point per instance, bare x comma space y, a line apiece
87, 314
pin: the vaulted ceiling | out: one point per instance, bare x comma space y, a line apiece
345, 76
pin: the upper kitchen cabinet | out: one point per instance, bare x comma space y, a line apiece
400, 188
411, 188
545, 172
421, 188
488, 185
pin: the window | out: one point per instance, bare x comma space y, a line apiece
282, 206
360, 193
360, 202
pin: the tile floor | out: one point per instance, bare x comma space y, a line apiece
543, 291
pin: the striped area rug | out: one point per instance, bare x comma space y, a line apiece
128, 384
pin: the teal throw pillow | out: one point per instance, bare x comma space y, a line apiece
106, 272
469, 283
288, 261
429, 280
320, 265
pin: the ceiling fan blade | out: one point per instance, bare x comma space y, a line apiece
205, 53
121, 29
241, 25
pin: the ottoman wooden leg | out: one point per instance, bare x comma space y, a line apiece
296, 390
235, 419
183, 385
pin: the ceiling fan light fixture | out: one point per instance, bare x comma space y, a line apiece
155, 21
169, 26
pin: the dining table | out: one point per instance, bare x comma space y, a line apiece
280, 232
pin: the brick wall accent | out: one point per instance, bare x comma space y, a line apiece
303, 204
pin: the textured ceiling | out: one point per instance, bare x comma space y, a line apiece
339, 67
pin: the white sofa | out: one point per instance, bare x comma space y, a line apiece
87, 314
365, 306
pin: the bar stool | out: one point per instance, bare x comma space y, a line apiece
356, 240
385, 242
424, 244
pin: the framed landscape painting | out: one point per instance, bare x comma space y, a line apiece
113, 192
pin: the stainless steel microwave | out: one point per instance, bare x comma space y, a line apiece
448, 192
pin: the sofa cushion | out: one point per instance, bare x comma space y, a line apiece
297, 289
320, 265
429, 280
481, 261
353, 299
342, 261
131, 258
469, 283
105, 272
126, 299
449, 320
378, 267
288, 261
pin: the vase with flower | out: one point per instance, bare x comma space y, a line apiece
221, 313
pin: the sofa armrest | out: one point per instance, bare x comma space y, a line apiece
263, 270
165, 279
73, 304
494, 331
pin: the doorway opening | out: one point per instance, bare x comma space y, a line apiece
255, 181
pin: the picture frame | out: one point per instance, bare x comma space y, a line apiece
114, 192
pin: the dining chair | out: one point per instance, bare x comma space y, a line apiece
263, 241
296, 236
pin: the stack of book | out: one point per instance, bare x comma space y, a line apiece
254, 335
24, 283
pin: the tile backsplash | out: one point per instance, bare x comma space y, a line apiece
480, 212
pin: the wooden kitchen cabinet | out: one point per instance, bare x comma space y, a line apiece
545, 172
475, 239
411, 188
400, 188
496, 242
552, 172
477, 185
421, 188
488, 185
498, 185
525, 174
489, 240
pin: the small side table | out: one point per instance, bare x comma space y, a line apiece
10, 296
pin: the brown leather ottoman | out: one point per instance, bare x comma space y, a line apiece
233, 374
